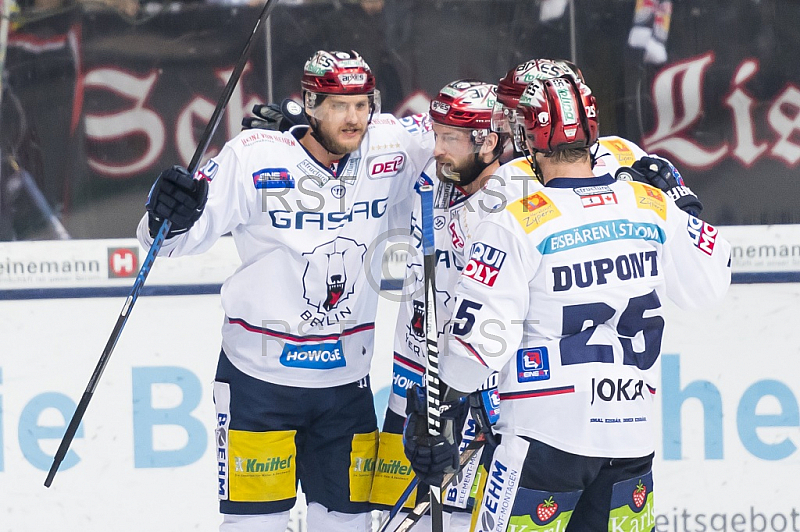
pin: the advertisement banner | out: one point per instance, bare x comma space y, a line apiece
143, 458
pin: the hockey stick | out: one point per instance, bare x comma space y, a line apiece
399, 504
205, 140
431, 339
419, 510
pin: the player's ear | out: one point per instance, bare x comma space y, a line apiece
489, 145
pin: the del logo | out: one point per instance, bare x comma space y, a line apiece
313, 356
273, 178
455, 234
533, 364
123, 262
386, 165
703, 235
484, 263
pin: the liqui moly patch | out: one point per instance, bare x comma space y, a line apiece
484, 263
703, 235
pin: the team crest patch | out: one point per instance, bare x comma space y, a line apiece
329, 279
484, 263
650, 198
418, 319
703, 235
533, 364
273, 178
534, 210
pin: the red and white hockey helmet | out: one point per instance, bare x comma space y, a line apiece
465, 103
342, 73
556, 114
513, 84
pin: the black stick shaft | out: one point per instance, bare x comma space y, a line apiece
433, 386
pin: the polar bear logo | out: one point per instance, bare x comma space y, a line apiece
329, 278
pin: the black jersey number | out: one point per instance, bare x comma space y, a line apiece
575, 348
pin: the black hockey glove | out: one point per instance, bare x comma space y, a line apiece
661, 174
176, 197
276, 117
432, 456
483, 405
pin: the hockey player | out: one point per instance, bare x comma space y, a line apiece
573, 323
466, 155
609, 154
308, 210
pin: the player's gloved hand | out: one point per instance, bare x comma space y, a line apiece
276, 117
176, 197
483, 405
663, 175
432, 456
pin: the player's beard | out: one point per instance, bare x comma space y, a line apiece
462, 174
328, 140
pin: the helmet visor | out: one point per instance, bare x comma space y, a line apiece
503, 118
342, 106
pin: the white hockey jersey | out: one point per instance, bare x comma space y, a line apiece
456, 216
562, 296
300, 310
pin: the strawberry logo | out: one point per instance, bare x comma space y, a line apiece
639, 495
546, 510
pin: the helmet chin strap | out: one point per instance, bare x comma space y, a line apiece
531, 158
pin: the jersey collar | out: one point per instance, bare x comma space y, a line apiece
575, 182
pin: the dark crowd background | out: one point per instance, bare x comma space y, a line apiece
98, 97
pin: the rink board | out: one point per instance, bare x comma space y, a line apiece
143, 460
